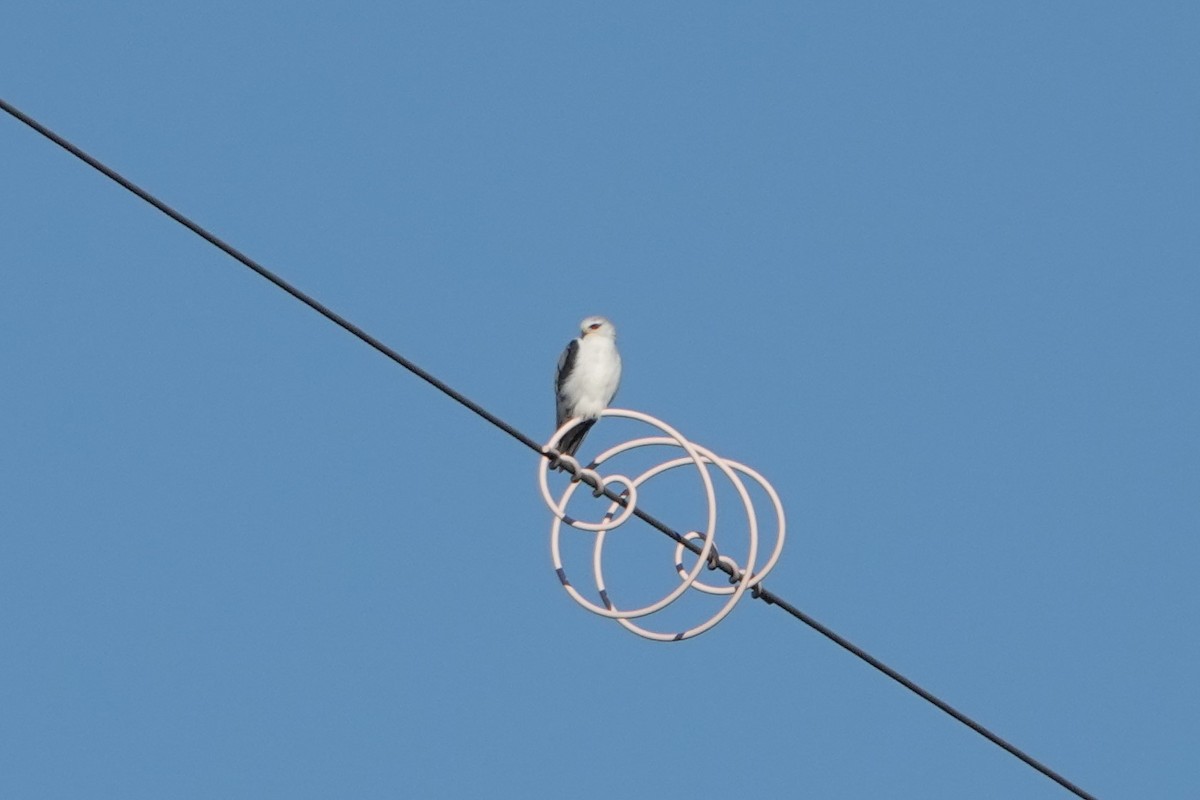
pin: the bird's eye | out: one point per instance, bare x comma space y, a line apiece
594, 326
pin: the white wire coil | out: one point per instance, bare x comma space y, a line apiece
745, 577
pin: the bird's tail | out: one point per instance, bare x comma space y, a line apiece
574, 437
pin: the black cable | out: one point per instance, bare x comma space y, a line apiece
759, 592
773, 599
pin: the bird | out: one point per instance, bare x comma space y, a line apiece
588, 374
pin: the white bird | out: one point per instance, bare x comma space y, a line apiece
588, 374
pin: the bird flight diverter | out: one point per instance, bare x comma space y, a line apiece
743, 577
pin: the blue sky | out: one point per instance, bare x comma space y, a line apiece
931, 268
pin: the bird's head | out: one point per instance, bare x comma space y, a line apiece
597, 326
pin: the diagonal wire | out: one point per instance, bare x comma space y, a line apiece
758, 592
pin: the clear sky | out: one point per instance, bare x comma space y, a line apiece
934, 269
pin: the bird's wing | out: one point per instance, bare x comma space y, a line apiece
616, 388
566, 365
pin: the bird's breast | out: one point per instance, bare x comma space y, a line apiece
595, 378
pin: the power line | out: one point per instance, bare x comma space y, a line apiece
758, 592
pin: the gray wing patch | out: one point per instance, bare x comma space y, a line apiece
566, 365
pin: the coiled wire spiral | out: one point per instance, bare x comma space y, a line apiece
744, 577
